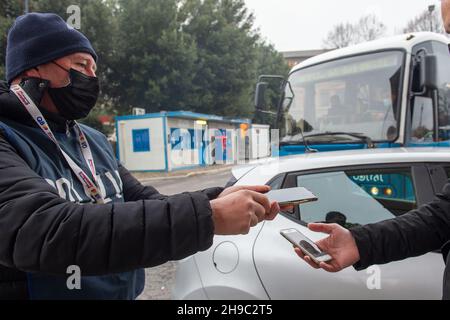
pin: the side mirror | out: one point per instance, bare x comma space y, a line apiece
260, 95
429, 72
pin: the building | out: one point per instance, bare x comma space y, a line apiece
169, 141
259, 136
295, 57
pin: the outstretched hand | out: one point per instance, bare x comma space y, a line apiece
230, 190
239, 208
340, 245
275, 207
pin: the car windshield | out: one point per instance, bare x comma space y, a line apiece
359, 94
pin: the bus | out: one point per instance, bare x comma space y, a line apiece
388, 93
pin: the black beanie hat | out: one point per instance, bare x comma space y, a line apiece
39, 38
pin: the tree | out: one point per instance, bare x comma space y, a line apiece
425, 21
342, 35
367, 28
155, 60
226, 49
198, 55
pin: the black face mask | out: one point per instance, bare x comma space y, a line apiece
77, 99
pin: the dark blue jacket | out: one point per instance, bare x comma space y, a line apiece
48, 223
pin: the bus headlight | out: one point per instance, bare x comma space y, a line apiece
375, 191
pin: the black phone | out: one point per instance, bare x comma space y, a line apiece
291, 196
305, 244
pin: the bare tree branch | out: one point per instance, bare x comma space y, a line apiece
367, 28
425, 21
341, 36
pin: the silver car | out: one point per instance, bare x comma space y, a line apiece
353, 188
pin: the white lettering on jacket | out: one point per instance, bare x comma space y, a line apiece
67, 191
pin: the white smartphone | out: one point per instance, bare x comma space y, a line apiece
305, 244
291, 196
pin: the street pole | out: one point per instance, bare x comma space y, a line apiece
430, 10
27, 7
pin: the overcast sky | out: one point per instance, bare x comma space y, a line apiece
303, 24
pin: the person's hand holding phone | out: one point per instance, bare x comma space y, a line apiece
275, 207
239, 208
340, 245
230, 190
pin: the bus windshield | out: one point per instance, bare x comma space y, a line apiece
359, 95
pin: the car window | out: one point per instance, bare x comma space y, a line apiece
352, 198
277, 182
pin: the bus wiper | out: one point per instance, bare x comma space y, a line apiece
359, 136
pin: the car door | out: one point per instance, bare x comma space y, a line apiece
349, 196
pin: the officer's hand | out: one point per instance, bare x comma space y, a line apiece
236, 212
260, 189
340, 245
230, 190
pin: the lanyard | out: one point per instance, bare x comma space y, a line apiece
91, 187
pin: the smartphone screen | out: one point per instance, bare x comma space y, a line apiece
297, 238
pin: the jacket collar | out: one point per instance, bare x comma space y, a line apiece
12, 109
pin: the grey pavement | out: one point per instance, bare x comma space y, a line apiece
160, 280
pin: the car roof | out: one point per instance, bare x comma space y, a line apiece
404, 41
352, 158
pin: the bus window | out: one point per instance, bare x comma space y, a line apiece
443, 58
422, 120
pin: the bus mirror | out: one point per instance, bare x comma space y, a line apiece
260, 95
428, 72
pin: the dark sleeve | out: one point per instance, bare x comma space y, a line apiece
41, 232
133, 190
410, 235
